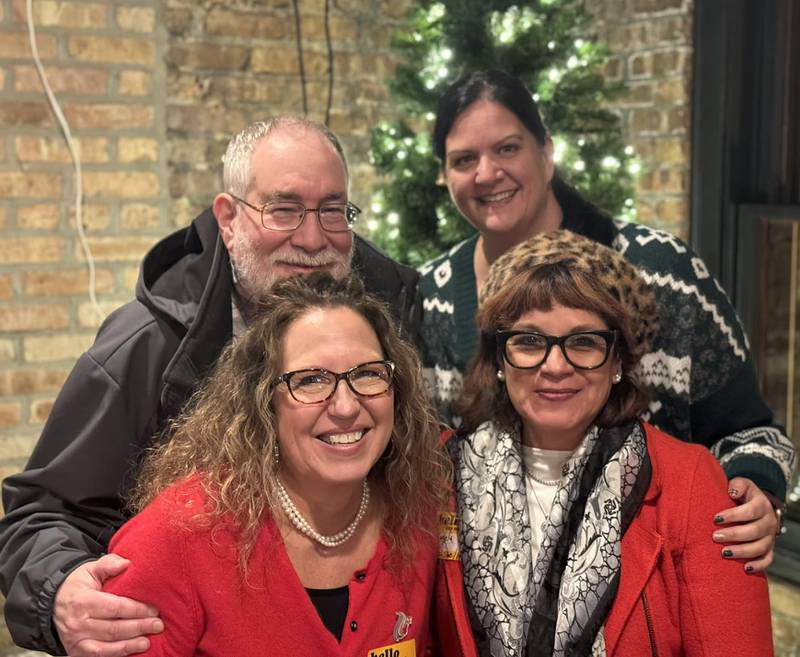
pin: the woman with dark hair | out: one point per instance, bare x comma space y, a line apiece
497, 162
582, 529
293, 509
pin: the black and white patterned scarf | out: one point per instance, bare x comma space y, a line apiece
557, 606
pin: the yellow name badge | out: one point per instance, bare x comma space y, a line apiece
448, 536
402, 649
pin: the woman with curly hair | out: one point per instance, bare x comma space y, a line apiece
293, 509
582, 529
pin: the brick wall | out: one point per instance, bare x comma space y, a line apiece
101, 58
229, 64
154, 88
651, 45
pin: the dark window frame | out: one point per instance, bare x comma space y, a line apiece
745, 145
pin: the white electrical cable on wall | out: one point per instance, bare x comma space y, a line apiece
62, 122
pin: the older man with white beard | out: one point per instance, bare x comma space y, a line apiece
284, 211
274, 179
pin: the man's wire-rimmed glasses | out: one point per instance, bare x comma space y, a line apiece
586, 350
288, 215
315, 385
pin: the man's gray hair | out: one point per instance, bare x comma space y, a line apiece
236, 161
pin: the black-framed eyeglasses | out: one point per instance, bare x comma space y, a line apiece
288, 215
586, 350
315, 385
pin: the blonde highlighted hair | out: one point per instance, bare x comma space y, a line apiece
228, 435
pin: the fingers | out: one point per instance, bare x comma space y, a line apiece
753, 540
754, 550
751, 526
759, 553
107, 566
90, 648
122, 630
753, 506
93, 623
738, 488
763, 528
108, 605
752, 512
89, 635
77, 598
759, 565
104, 616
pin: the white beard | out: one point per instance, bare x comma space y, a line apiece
255, 272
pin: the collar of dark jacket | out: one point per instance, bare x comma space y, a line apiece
186, 282
391, 281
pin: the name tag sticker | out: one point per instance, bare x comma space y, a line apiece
402, 649
448, 537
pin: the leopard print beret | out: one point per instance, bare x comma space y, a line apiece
606, 266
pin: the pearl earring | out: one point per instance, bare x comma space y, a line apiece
501, 375
617, 377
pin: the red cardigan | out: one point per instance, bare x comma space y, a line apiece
698, 604
192, 577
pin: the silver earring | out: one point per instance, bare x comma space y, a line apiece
617, 377
276, 454
501, 375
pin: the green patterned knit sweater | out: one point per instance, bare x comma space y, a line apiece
700, 368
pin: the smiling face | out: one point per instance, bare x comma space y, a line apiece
290, 164
339, 440
498, 175
556, 401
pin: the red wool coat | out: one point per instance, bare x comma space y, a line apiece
677, 596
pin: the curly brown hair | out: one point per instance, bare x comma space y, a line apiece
538, 286
228, 432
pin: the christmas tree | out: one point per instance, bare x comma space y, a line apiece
545, 44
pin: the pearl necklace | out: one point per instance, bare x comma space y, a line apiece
544, 482
304, 527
